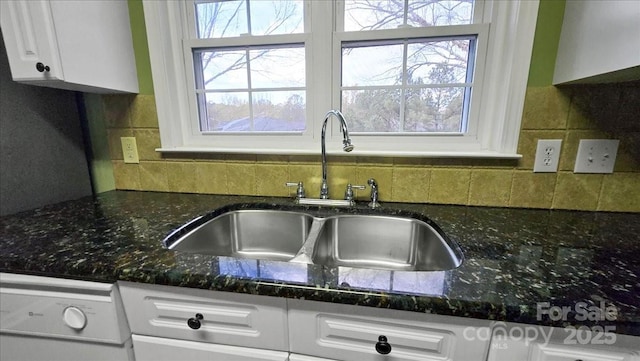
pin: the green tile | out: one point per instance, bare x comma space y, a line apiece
153, 176
148, 140
545, 108
577, 191
127, 176
143, 112
449, 186
211, 177
620, 192
490, 187
411, 184
271, 179
181, 176
241, 178
532, 190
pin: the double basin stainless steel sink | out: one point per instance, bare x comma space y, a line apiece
376, 241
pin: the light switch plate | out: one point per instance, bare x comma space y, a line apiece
596, 156
547, 156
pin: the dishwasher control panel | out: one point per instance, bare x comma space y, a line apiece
68, 309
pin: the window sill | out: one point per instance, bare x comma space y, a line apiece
366, 153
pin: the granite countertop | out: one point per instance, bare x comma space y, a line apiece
515, 259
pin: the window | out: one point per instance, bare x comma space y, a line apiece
412, 77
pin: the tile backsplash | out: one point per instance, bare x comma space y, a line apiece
567, 113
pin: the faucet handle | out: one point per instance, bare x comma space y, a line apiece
300, 191
348, 193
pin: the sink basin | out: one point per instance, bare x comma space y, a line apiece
262, 234
375, 240
384, 242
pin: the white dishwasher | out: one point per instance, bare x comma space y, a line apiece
54, 319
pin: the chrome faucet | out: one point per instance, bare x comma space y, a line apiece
346, 146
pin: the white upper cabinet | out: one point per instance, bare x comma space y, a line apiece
599, 43
75, 45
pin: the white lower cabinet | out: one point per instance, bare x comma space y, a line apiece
176, 323
355, 333
538, 343
148, 348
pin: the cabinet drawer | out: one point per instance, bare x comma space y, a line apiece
351, 333
162, 349
226, 318
512, 341
551, 352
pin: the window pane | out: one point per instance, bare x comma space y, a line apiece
371, 65
374, 110
223, 111
428, 92
434, 109
228, 18
373, 14
277, 68
390, 14
238, 89
221, 69
270, 68
437, 13
274, 111
222, 18
277, 17
438, 62
278, 111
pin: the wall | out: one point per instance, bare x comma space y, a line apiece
569, 113
42, 157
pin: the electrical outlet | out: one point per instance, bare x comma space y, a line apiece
596, 156
129, 149
547, 156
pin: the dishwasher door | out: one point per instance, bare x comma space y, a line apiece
44, 318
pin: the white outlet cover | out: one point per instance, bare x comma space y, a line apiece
547, 156
596, 156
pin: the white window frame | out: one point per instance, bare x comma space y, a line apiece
508, 25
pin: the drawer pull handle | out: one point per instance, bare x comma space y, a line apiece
382, 346
42, 68
194, 322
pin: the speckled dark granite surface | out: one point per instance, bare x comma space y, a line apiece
514, 258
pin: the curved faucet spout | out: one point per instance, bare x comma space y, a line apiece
346, 146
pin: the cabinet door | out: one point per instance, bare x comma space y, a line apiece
30, 38
28, 348
165, 349
599, 42
296, 357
